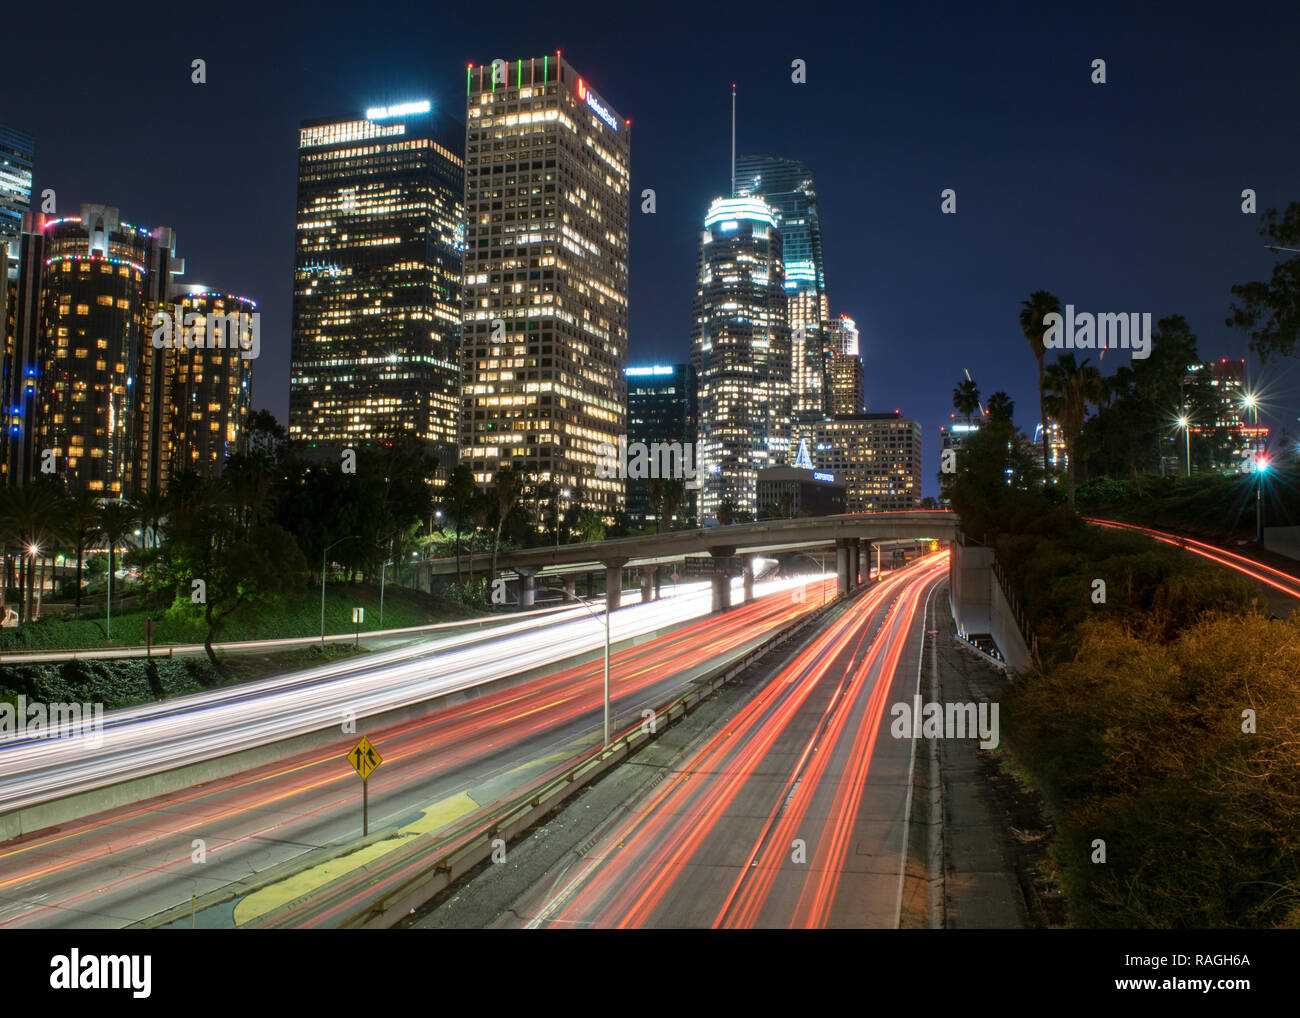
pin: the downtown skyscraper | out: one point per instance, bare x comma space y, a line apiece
377, 279
740, 348
786, 185
547, 186
17, 150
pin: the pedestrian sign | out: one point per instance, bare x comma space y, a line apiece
364, 758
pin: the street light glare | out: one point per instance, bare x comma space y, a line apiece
1182, 422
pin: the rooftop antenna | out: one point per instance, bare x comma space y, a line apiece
733, 139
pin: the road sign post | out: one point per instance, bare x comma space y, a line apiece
358, 617
148, 637
364, 758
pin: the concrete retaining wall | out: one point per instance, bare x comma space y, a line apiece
979, 606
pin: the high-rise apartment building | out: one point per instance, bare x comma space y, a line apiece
786, 185
662, 408
740, 348
195, 398
102, 279
23, 262
377, 279
17, 150
547, 188
877, 457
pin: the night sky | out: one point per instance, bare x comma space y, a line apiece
1116, 197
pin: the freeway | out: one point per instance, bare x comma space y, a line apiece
133, 862
792, 813
1273, 581
145, 740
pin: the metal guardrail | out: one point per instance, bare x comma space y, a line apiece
474, 841
1022, 621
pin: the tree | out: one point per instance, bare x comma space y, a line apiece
81, 521
591, 525
1270, 312
30, 517
1032, 314
655, 486
726, 512
116, 520
457, 495
966, 398
505, 491
1070, 387
1001, 407
674, 495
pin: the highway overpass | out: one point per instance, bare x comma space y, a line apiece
847, 534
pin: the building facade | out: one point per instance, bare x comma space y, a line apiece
195, 398
17, 154
662, 407
377, 279
102, 277
876, 456
740, 348
786, 185
787, 493
547, 191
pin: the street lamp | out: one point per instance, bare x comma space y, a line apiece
350, 537
1187, 431
593, 615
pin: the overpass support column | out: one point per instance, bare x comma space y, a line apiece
749, 578
659, 575
842, 567
570, 589
721, 591
527, 587
614, 583
647, 582
864, 559
855, 563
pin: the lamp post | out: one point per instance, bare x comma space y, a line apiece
1261, 465
1187, 431
350, 537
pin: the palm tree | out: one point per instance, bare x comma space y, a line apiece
966, 398
504, 493
656, 489
116, 520
1032, 313
31, 519
592, 526
674, 494
81, 522
1001, 407
457, 495
1070, 387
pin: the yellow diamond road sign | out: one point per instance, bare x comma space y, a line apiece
364, 758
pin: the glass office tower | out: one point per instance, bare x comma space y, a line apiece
547, 185
740, 348
787, 186
377, 279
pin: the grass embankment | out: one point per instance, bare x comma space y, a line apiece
1213, 506
298, 617
122, 682
1164, 723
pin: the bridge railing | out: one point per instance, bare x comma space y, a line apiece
1017, 611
